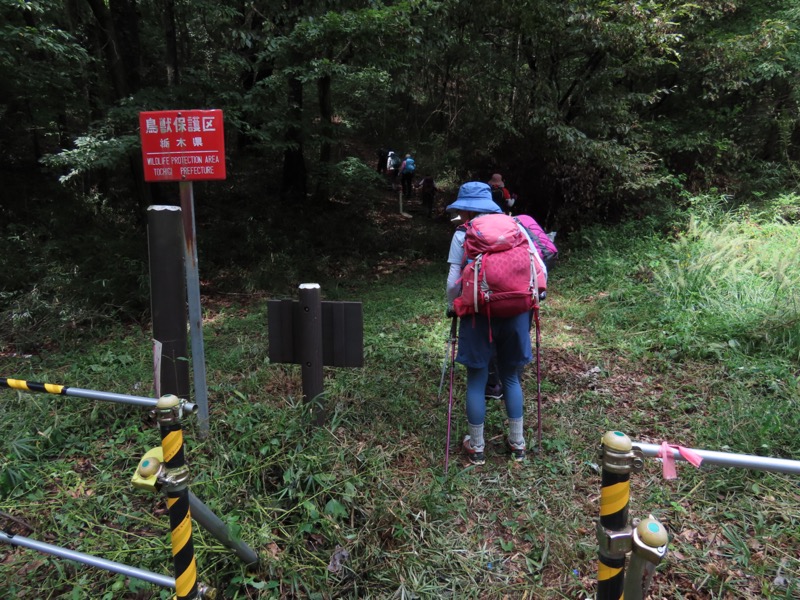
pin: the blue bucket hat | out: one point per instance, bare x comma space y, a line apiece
475, 196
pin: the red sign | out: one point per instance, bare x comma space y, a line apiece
182, 145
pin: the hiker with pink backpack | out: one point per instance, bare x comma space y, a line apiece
548, 253
494, 282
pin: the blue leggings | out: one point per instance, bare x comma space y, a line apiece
476, 393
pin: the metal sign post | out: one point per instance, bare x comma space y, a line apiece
195, 311
311, 347
183, 146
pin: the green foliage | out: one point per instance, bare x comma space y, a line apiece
38, 55
66, 289
354, 180
593, 110
92, 153
723, 290
782, 208
726, 277
713, 126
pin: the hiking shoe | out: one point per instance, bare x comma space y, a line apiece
517, 450
475, 457
495, 392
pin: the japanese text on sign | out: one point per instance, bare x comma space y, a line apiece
182, 145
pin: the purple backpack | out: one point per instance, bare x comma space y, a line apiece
547, 249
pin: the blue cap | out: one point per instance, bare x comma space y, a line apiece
475, 196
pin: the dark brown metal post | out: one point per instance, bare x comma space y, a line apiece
311, 344
168, 298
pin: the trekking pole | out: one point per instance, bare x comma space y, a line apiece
453, 330
538, 376
444, 368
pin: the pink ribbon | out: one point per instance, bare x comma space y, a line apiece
668, 459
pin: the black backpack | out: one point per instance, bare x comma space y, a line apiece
497, 196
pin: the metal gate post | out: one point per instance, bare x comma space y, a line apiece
176, 485
649, 546
613, 531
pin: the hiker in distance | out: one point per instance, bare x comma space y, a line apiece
426, 188
407, 169
392, 168
383, 156
478, 335
500, 194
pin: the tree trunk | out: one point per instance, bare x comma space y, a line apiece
121, 81
293, 184
326, 126
126, 25
116, 66
171, 39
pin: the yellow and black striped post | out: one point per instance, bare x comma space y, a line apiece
176, 485
613, 529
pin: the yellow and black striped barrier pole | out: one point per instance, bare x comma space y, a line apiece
176, 485
614, 535
149, 476
63, 390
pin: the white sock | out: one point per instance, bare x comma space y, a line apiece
515, 434
476, 436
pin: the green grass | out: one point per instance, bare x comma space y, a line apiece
623, 347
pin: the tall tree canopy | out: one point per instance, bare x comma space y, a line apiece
589, 106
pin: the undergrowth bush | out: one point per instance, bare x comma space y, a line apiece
721, 282
72, 288
735, 284
353, 180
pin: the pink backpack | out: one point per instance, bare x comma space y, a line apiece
504, 274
